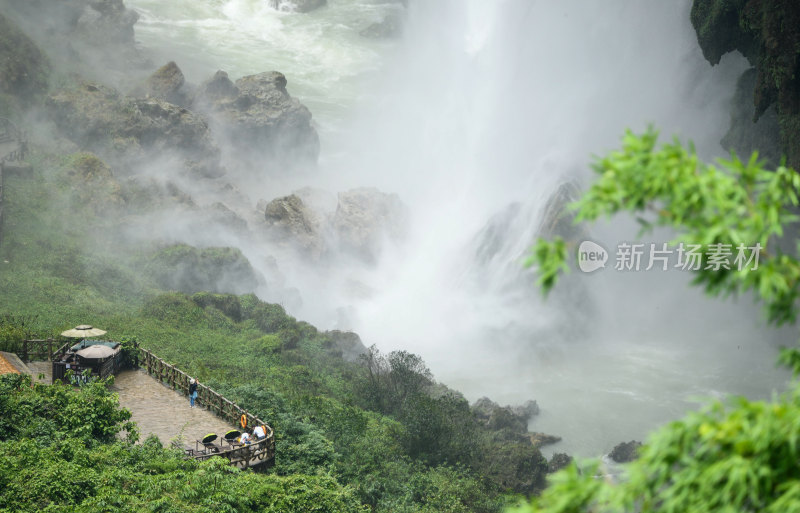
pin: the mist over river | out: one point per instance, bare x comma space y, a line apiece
477, 106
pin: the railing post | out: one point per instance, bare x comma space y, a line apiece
49, 348
25, 350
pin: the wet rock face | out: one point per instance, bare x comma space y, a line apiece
542, 439
346, 343
496, 417
91, 38
364, 217
746, 134
258, 114
133, 129
217, 88
767, 32
363, 221
166, 83
290, 221
626, 451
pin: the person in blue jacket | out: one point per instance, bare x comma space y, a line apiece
192, 391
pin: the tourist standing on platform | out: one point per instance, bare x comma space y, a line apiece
192, 391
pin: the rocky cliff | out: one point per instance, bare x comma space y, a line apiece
767, 33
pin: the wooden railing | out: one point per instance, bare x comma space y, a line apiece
257, 452
42, 349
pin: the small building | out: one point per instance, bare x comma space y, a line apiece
101, 358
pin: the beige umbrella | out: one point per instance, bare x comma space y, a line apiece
96, 352
83, 331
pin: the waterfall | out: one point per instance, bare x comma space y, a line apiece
476, 118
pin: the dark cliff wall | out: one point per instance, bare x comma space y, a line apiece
767, 33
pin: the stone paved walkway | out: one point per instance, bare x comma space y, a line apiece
159, 410
156, 408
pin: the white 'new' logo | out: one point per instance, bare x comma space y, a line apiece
591, 256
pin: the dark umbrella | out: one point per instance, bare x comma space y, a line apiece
209, 438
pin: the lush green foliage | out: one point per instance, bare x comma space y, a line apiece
410, 445
58, 452
741, 456
738, 203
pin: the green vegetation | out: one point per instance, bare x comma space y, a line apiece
59, 452
379, 434
737, 456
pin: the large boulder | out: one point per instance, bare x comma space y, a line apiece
558, 461
626, 451
93, 184
542, 439
291, 222
364, 218
132, 130
345, 343
23, 67
166, 83
496, 417
259, 114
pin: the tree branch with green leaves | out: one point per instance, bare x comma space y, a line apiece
739, 455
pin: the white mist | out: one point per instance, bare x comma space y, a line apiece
482, 104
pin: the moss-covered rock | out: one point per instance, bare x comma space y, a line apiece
767, 32
258, 112
93, 183
166, 83
131, 130
626, 451
558, 461
24, 68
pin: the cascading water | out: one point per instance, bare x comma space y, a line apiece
474, 118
